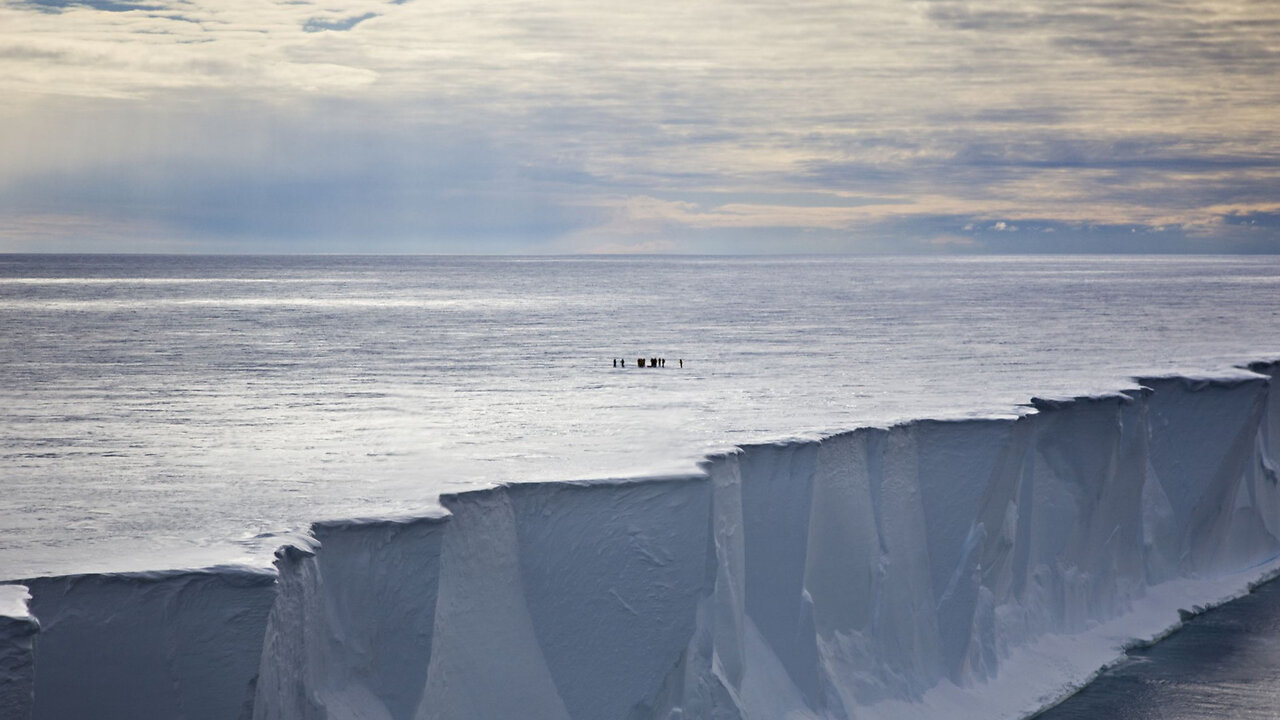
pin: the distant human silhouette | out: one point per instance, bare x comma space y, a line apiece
681, 362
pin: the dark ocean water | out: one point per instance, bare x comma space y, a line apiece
1224, 663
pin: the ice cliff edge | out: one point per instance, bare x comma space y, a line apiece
930, 569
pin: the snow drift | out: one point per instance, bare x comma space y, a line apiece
930, 569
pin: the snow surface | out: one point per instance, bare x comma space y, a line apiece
13, 601
164, 412
929, 569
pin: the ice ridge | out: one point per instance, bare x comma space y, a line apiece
968, 568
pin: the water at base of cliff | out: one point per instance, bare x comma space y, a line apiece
1224, 663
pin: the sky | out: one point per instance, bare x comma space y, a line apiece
579, 126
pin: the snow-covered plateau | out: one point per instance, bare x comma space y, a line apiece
930, 569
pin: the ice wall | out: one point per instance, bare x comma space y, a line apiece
931, 569
352, 631
17, 661
177, 645
899, 560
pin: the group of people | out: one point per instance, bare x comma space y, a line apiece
640, 362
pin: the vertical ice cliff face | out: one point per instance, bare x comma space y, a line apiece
178, 645
585, 605
17, 662
877, 564
1265, 489
564, 600
922, 570
1201, 461
351, 633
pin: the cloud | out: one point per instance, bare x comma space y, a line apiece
947, 240
231, 180
1254, 219
1216, 35
100, 5
52, 232
639, 247
314, 25
875, 125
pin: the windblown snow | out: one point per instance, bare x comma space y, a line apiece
933, 569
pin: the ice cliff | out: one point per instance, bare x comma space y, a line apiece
17, 663
932, 569
173, 644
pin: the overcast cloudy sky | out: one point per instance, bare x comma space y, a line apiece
565, 126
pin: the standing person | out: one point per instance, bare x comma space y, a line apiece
681, 362
615, 362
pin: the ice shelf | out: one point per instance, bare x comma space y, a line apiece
933, 569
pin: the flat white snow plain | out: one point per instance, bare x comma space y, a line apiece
931, 569
167, 413
163, 412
